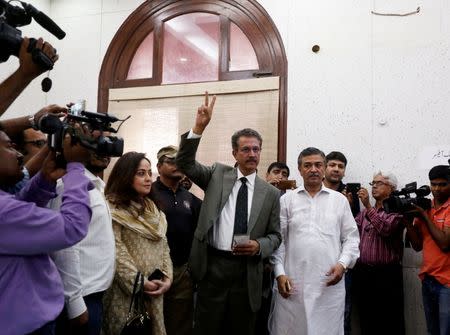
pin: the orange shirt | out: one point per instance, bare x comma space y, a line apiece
435, 262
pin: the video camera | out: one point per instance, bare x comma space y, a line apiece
401, 201
111, 146
11, 39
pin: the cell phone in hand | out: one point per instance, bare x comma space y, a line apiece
240, 239
353, 187
156, 275
287, 184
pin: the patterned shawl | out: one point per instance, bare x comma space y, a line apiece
150, 223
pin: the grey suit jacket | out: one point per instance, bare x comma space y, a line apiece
264, 223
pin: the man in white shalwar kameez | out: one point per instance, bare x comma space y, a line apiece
320, 241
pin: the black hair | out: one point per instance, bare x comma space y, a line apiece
309, 152
279, 165
247, 132
440, 171
336, 156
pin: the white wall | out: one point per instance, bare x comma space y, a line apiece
32, 97
90, 25
378, 89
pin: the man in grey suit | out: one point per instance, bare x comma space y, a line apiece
239, 226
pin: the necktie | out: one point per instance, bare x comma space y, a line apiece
240, 216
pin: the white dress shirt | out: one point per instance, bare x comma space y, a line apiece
221, 236
88, 266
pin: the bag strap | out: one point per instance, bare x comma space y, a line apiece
140, 297
138, 278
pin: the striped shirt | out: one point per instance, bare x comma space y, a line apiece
381, 237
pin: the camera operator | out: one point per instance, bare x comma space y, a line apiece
14, 127
377, 276
11, 88
430, 231
17, 129
31, 292
87, 268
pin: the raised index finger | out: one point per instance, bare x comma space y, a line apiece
206, 98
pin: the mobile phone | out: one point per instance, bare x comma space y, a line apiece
287, 184
240, 239
353, 187
156, 275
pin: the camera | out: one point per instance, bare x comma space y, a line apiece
111, 146
11, 39
401, 201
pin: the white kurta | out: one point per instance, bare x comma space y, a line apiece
317, 233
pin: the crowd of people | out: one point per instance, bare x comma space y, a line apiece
255, 256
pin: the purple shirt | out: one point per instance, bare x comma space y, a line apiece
381, 237
31, 292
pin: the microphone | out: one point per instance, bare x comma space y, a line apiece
49, 124
46, 22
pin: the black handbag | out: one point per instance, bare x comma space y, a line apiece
138, 321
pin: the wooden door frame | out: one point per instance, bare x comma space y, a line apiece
248, 15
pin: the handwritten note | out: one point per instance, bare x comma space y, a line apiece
433, 155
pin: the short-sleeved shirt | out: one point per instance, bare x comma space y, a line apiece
436, 263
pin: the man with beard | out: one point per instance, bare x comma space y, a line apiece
320, 241
87, 268
336, 163
181, 209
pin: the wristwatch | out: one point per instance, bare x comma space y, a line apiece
32, 122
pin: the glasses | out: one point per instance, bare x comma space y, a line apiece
247, 150
378, 183
37, 143
443, 184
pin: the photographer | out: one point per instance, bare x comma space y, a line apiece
11, 88
14, 127
276, 173
377, 276
430, 232
17, 129
31, 292
87, 268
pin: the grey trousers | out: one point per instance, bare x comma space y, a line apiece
222, 301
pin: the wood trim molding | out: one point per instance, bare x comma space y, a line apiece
191, 89
248, 15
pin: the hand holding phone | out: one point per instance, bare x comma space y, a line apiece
287, 184
156, 275
240, 239
353, 188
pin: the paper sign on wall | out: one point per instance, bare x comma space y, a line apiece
433, 155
